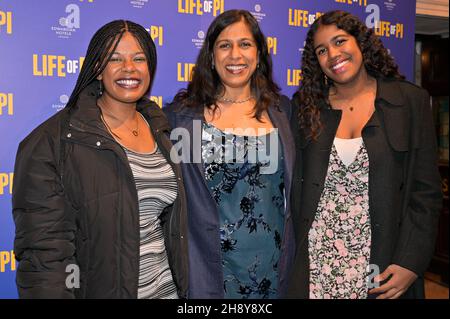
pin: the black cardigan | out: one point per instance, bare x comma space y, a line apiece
404, 183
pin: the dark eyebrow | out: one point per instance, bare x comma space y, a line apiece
241, 39
136, 53
333, 39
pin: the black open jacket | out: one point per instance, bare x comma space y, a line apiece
405, 194
75, 202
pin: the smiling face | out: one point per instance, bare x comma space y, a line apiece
338, 54
235, 56
126, 77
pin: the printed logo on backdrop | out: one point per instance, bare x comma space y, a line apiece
55, 65
199, 40
68, 24
200, 7
294, 76
390, 5
6, 22
6, 103
6, 183
361, 3
272, 45
382, 28
302, 49
258, 13
138, 3
7, 261
302, 18
158, 99
62, 101
184, 71
157, 34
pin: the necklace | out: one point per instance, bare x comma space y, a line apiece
135, 132
225, 100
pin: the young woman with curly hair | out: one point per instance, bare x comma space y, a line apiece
366, 193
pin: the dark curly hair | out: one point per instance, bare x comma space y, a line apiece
205, 86
313, 90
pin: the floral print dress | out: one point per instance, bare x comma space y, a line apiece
250, 199
339, 240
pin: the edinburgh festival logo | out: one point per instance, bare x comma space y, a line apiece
198, 42
258, 13
390, 5
63, 99
68, 24
138, 3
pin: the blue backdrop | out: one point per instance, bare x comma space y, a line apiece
42, 44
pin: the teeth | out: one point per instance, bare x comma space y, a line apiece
235, 67
340, 65
128, 82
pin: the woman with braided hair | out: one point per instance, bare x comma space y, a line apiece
98, 203
366, 194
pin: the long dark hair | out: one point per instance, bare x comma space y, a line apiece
206, 84
102, 46
314, 86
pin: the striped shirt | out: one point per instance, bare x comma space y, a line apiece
157, 188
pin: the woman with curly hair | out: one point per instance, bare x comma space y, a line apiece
366, 193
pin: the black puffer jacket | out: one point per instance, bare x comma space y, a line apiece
75, 202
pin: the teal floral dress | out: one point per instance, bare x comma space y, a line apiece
248, 186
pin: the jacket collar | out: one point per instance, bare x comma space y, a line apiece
392, 115
387, 90
390, 92
391, 103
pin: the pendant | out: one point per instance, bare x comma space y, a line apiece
135, 133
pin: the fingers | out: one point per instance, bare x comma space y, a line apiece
399, 279
398, 294
382, 277
393, 293
383, 288
390, 294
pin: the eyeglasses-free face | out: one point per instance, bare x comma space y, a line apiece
126, 77
338, 53
236, 56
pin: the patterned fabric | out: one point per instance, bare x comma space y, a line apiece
157, 188
250, 196
340, 236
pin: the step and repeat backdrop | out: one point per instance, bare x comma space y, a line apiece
42, 47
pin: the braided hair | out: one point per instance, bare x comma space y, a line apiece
314, 86
101, 48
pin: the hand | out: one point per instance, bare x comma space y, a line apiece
401, 279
